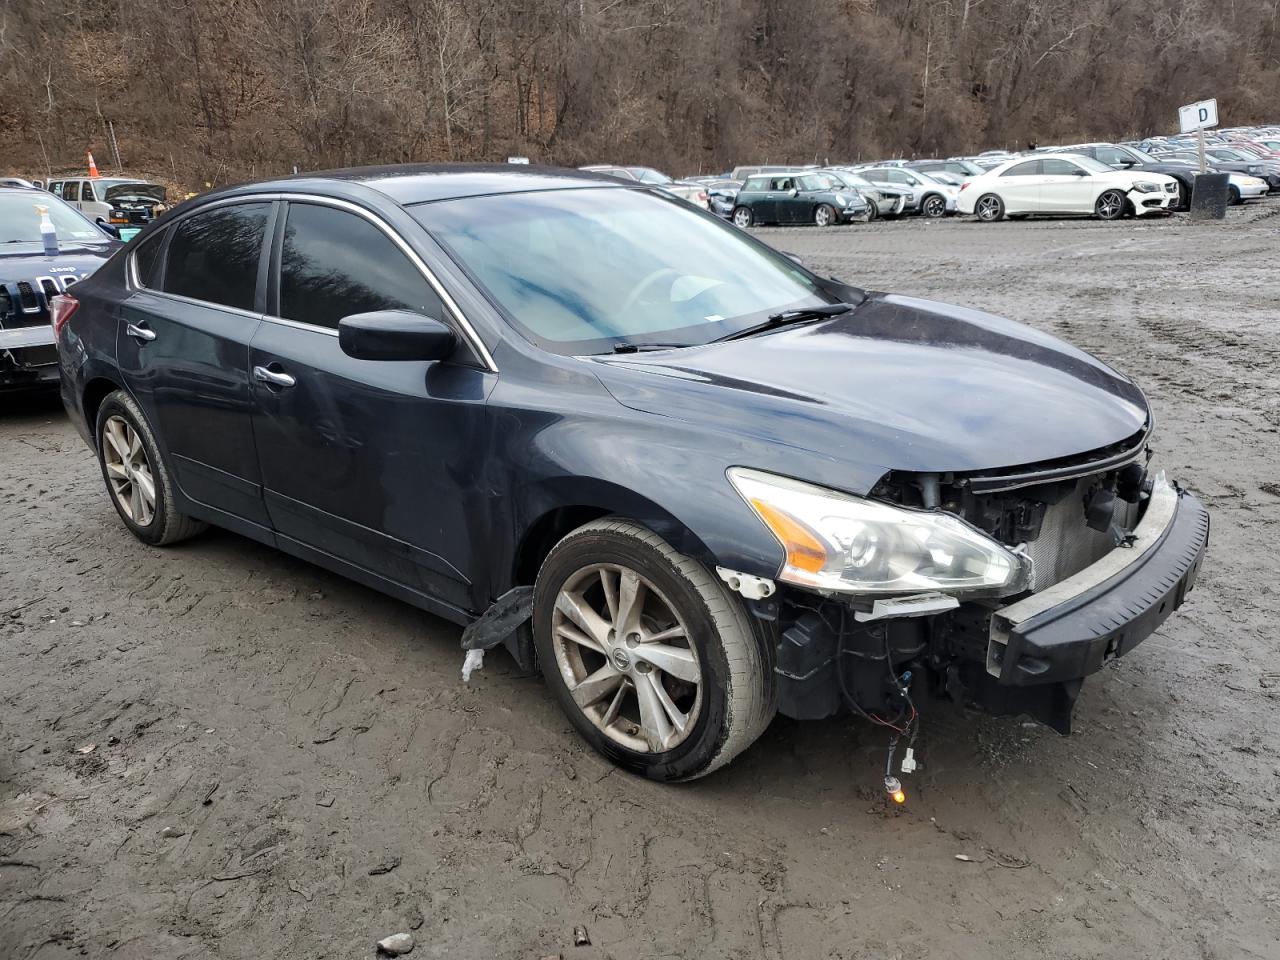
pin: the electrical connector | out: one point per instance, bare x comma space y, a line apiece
909, 764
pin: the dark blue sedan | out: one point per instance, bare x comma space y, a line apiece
695, 482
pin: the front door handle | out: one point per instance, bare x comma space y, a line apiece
273, 378
145, 334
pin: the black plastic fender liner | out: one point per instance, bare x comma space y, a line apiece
500, 621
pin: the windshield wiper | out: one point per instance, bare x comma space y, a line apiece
639, 347
799, 315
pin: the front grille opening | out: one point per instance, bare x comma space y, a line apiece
27, 296
49, 287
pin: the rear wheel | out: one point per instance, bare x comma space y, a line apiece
742, 217
137, 476
824, 215
656, 663
933, 206
989, 208
1110, 205
1233, 196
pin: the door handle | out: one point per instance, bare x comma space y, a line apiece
138, 332
273, 378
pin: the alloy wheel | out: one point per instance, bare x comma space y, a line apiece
128, 470
822, 216
935, 207
1110, 205
989, 207
742, 217
626, 658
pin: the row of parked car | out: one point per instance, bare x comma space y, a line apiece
123, 204
1106, 180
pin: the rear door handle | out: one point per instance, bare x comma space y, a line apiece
139, 332
273, 377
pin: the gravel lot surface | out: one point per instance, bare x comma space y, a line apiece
214, 750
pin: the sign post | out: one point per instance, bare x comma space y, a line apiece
1199, 116
1209, 193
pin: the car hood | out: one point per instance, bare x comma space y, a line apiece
22, 261
897, 383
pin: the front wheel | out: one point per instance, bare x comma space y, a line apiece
824, 215
742, 217
1110, 205
873, 211
137, 476
656, 663
933, 206
989, 208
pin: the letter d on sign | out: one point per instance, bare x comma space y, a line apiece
1204, 114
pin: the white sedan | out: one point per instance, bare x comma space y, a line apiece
1065, 184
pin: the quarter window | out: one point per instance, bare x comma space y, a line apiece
334, 264
756, 185
214, 256
147, 258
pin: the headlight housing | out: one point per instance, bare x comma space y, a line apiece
841, 199
845, 544
1147, 187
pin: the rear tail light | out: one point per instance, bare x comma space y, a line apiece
62, 307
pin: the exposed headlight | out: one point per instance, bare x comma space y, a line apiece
1255, 170
1147, 187
846, 544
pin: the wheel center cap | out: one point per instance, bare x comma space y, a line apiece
621, 659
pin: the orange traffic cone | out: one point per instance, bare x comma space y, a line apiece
93, 167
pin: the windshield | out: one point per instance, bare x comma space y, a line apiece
1090, 164
582, 271
20, 223
648, 175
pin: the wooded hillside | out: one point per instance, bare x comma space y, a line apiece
217, 91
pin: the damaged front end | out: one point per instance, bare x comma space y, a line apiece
1028, 581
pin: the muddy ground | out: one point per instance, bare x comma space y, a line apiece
286, 765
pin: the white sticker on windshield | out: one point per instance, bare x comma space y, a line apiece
714, 318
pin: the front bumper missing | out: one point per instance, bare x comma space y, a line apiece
1068, 631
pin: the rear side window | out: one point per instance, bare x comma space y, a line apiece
214, 256
1058, 168
71, 190
1031, 168
756, 185
334, 264
147, 258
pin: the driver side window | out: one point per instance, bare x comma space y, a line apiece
1059, 168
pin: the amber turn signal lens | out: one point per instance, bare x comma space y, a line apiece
898, 796
804, 550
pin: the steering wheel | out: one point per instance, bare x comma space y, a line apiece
644, 285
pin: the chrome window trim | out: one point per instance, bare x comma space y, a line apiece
467, 329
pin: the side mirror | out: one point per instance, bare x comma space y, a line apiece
794, 257
1080, 173
109, 230
794, 192
395, 335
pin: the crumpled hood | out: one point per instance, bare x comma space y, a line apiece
898, 383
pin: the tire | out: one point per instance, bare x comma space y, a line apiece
824, 215
1110, 205
933, 207
989, 208
733, 698
158, 523
873, 212
1233, 196
1183, 202
743, 217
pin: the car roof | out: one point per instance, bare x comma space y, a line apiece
423, 183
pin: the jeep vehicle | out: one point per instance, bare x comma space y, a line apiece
32, 274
